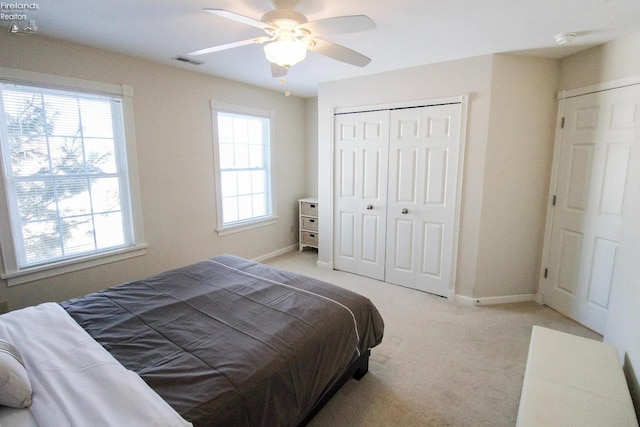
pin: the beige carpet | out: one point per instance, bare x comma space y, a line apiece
440, 364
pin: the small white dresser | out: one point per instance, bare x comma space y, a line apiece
308, 223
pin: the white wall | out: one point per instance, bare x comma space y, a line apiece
618, 60
507, 160
175, 159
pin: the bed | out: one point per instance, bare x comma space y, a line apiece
224, 342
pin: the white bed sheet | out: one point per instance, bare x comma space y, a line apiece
75, 381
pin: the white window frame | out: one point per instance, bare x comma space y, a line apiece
224, 229
12, 273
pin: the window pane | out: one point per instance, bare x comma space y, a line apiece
245, 208
109, 230
230, 209
96, 118
67, 156
255, 131
105, 195
241, 156
62, 115
225, 129
258, 181
229, 184
226, 156
77, 235
29, 155
240, 135
42, 241
73, 197
244, 182
24, 113
100, 155
259, 205
36, 200
255, 156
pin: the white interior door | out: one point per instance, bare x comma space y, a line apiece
599, 132
424, 148
361, 150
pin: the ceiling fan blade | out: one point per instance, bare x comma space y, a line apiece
278, 70
228, 46
339, 25
238, 18
339, 53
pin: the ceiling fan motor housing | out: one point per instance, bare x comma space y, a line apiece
285, 4
284, 19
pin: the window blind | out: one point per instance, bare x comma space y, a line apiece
65, 170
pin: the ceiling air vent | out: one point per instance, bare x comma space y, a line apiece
188, 60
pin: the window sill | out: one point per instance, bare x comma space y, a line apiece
42, 272
246, 226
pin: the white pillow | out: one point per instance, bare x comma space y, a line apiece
15, 387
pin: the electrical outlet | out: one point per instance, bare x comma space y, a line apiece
4, 307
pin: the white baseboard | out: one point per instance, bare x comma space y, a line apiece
465, 300
276, 253
506, 299
325, 265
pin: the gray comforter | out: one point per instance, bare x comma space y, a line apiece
230, 342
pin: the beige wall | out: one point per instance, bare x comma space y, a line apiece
517, 174
509, 140
175, 160
311, 124
618, 60
612, 61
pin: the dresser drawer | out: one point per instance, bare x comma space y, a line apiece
308, 208
310, 224
309, 238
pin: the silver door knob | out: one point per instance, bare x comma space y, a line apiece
404, 210
369, 207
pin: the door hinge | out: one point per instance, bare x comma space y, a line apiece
553, 203
562, 124
546, 272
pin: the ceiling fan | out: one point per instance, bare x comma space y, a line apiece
290, 35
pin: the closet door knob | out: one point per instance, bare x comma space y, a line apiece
404, 211
369, 207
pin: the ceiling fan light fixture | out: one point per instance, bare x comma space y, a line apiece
286, 52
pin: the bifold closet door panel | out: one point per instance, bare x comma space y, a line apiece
361, 162
424, 147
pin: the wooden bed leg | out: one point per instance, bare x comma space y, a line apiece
362, 366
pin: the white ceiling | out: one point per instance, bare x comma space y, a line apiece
408, 33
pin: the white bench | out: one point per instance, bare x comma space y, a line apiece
573, 381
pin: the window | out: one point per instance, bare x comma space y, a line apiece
242, 150
66, 176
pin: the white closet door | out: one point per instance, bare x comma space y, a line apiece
600, 130
361, 150
424, 150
